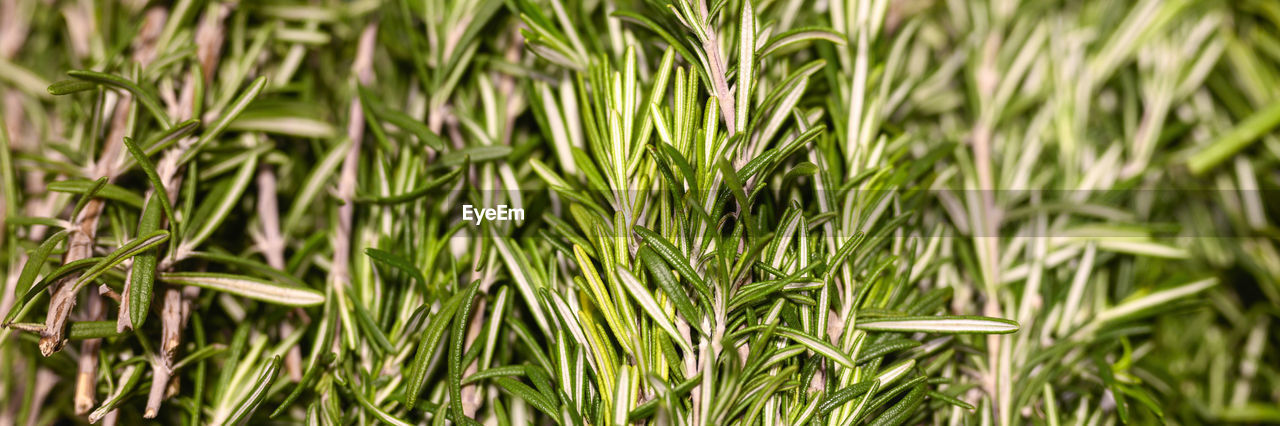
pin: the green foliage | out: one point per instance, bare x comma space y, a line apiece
736, 212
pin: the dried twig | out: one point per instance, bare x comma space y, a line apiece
271, 243
339, 273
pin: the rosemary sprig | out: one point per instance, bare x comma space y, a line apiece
729, 212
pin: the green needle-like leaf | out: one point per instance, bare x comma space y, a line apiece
35, 262
142, 275
393, 260
107, 191
129, 250
253, 288
456, 346
1235, 140
147, 99
436, 325
650, 306
821, 347
233, 110
161, 194
941, 324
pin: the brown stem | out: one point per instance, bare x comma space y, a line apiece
209, 36
170, 339
14, 26
363, 69
63, 299
112, 418
271, 243
45, 381
176, 305
715, 61
987, 240
84, 228
87, 377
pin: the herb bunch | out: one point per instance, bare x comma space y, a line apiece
736, 212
